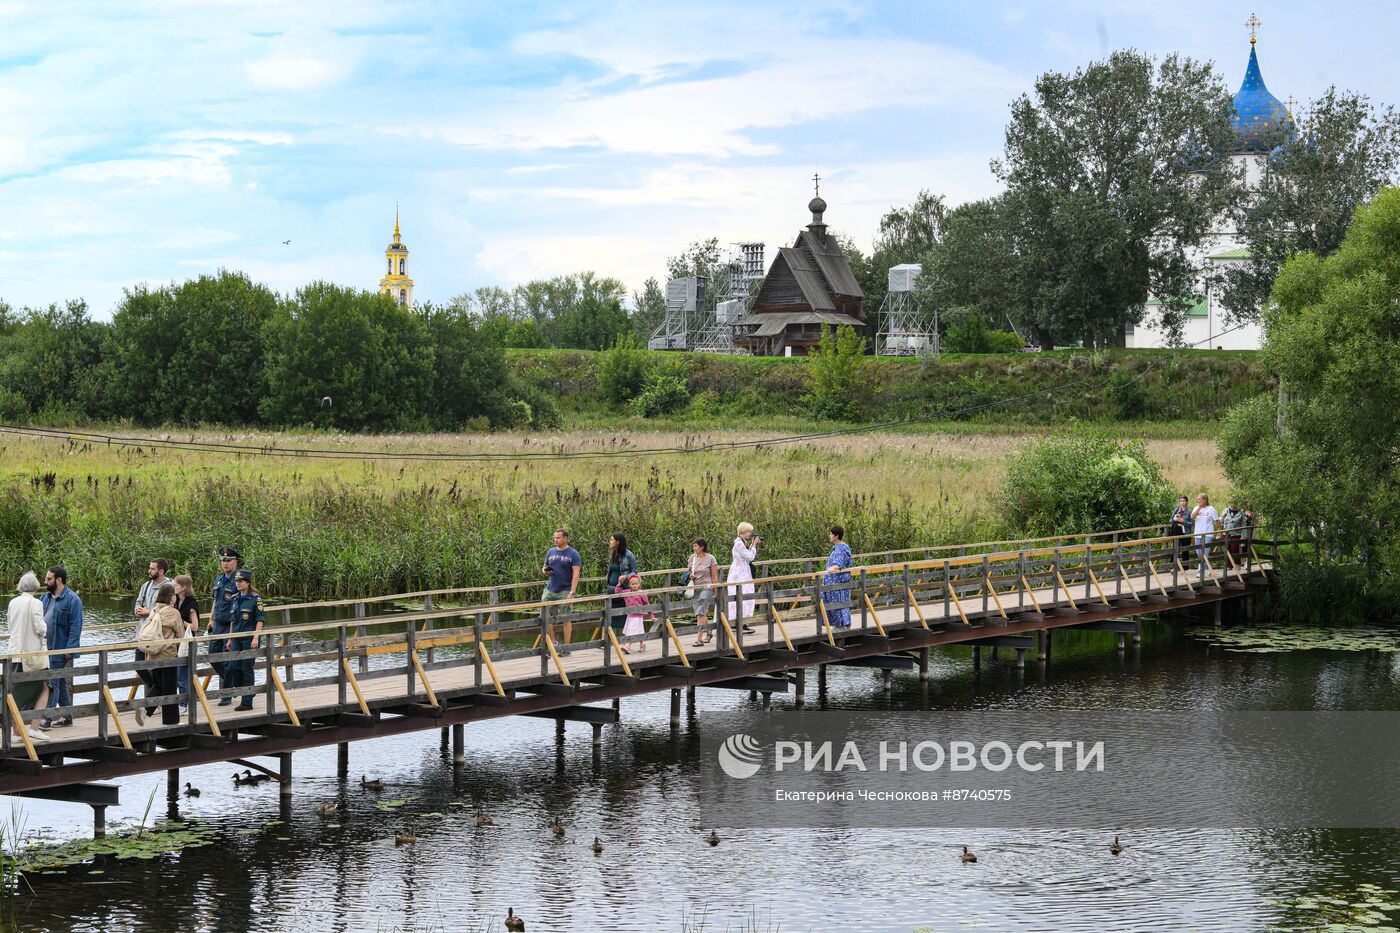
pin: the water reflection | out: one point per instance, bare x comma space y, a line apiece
278, 866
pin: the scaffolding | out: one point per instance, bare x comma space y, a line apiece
700, 318
902, 327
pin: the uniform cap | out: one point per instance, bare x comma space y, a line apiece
228, 552
243, 573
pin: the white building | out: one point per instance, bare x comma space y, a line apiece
1260, 121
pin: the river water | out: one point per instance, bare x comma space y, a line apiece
276, 868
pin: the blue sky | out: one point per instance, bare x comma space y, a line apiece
153, 141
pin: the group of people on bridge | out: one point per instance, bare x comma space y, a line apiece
627, 605
167, 614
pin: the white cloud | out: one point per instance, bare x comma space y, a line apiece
303, 60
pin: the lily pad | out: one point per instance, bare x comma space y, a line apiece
1271, 639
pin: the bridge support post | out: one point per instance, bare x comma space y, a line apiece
597, 735
1217, 615
442, 741
821, 679
923, 664
284, 775
887, 679
99, 821
1137, 632
559, 729
342, 760
1122, 641
676, 708
800, 688
767, 701
617, 704
976, 657
753, 695
1020, 659
459, 746
690, 698
172, 785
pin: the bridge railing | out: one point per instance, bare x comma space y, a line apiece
361, 654
514, 592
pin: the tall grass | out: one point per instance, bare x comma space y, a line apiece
332, 529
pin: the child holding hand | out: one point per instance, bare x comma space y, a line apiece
634, 597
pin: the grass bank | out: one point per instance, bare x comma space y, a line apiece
1062, 387
330, 528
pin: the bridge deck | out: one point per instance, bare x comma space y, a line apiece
454, 685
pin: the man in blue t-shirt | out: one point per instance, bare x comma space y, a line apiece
561, 568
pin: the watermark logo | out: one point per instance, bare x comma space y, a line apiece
740, 756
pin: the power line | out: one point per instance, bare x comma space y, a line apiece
322, 453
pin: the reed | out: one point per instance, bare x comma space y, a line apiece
313, 528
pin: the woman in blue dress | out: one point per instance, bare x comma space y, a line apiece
838, 571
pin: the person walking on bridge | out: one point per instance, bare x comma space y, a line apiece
63, 615
838, 567
622, 563
562, 566
1204, 519
145, 607
247, 623
159, 636
704, 572
225, 591
25, 619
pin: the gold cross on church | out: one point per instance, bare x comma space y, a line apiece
1253, 24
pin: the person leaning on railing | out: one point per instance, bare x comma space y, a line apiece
1233, 521
1204, 519
25, 617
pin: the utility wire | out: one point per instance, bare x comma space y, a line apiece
323, 453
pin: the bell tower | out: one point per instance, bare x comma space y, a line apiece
396, 282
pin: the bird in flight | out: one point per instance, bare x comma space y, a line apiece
286, 242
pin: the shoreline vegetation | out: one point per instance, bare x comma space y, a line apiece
313, 528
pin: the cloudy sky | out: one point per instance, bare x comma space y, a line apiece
151, 141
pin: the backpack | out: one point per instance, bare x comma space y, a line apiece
148, 636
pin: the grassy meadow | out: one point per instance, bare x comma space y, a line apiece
320, 528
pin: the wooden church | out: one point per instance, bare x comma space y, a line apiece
808, 288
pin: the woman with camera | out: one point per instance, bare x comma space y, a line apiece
744, 551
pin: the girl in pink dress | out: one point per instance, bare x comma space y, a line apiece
636, 597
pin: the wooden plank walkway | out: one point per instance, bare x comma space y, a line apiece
896, 608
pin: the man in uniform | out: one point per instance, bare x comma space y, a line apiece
224, 594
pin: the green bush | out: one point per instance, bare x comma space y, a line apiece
1087, 484
665, 392
13, 408
623, 370
972, 335
837, 375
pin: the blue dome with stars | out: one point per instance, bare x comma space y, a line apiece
1261, 121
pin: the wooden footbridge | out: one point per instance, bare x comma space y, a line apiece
383, 670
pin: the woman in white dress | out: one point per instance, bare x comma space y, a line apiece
741, 571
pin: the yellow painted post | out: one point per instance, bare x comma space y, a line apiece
1097, 587
830, 636
1031, 593
1185, 577
204, 705
423, 676
875, 616
1129, 580
782, 629
987, 583
617, 646
282, 692
558, 664
1152, 568
116, 717
355, 686
913, 601
23, 730
675, 640
957, 604
490, 669
728, 630
1068, 595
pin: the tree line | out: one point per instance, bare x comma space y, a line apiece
223, 349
